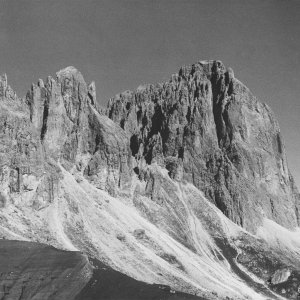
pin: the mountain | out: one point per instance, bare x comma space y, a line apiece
182, 184
207, 128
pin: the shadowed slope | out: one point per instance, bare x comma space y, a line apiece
32, 271
108, 284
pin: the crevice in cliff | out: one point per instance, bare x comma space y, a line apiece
122, 123
181, 152
134, 144
220, 112
148, 154
217, 109
157, 121
45, 118
297, 215
279, 143
217, 112
228, 127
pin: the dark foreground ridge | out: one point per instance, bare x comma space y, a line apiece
33, 271
36, 271
109, 284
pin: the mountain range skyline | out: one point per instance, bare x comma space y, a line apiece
149, 149
122, 44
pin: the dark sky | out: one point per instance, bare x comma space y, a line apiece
122, 44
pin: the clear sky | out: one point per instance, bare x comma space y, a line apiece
122, 44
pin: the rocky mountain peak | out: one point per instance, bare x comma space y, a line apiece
3, 80
207, 125
5, 90
67, 71
165, 187
203, 125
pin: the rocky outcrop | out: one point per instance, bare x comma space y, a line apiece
281, 276
22, 158
206, 127
57, 124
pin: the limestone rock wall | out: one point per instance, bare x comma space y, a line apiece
206, 127
58, 123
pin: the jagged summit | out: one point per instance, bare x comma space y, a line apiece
67, 70
3, 80
206, 127
5, 89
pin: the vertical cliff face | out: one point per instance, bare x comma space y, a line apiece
206, 127
57, 124
21, 155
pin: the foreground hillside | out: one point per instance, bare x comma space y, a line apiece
35, 271
183, 184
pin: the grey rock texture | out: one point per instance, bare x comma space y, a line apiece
58, 123
207, 128
70, 176
204, 126
280, 276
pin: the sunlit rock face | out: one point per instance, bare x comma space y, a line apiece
206, 127
57, 123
